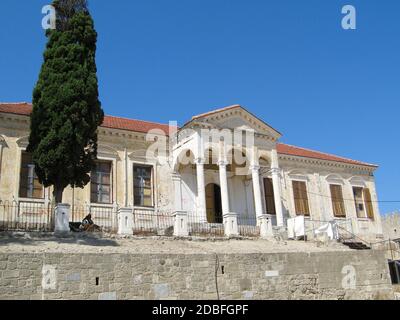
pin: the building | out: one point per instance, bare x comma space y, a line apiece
391, 226
202, 178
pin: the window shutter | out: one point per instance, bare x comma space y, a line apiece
337, 201
368, 203
269, 196
301, 198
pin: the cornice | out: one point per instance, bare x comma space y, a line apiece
326, 163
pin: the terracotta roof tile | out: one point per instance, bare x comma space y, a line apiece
24, 108
21, 108
307, 153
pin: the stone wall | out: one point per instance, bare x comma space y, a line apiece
319, 275
391, 225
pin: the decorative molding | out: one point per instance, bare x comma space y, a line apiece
335, 179
325, 163
23, 142
357, 182
107, 151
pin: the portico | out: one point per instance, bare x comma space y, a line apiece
209, 159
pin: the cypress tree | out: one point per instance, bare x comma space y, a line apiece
66, 108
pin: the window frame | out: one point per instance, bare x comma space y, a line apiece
111, 185
152, 184
31, 168
367, 214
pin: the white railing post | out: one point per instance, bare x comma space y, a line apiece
231, 224
125, 221
181, 228
61, 213
265, 223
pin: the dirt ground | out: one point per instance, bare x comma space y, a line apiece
99, 243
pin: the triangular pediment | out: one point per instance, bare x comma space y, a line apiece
235, 117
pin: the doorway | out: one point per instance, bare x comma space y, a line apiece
213, 203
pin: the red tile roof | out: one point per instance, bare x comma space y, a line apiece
286, 149
24, 108
21, 108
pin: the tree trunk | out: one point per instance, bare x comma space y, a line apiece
57, 195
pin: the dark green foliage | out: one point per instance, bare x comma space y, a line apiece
66, 109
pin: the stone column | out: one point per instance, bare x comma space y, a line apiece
201, 191
276, 181
176, 179
180, 216
223, 179
125, 221
62, 212
255, 171
126, 179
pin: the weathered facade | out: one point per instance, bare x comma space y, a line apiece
202, 178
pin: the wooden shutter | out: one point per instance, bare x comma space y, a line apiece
269, 196
301, 198
368, 203
337, 201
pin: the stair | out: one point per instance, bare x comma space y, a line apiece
356, 245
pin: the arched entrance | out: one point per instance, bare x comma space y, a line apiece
213, 203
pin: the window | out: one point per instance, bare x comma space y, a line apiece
301, 198
339, 210
363, 202
269, 196
101, 183
29, 185
143, 186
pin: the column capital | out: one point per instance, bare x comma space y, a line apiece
176, 176
255, 167
200, 161
222, 163
275, 171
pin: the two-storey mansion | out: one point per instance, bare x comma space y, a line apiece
280, 180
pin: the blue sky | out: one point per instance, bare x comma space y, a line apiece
289, 62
